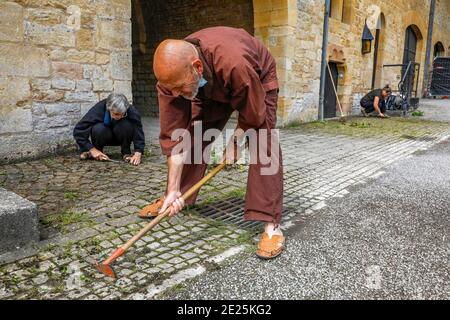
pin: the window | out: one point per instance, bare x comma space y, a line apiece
347, 11
341, 10
336, 9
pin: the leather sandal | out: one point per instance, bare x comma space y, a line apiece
152, 210
364, 113
269, 248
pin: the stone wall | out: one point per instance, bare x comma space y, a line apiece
305, 82
57, 58
155, 21
276, 27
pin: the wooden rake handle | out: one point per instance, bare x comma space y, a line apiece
163, 215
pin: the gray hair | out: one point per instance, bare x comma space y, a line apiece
117, 102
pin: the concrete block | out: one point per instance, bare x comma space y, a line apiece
19, 223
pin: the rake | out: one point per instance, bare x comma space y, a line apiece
105, 266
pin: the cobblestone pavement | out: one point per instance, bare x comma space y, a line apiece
88, 208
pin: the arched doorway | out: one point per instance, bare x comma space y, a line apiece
439, 50
412, 36
409, 52
378, 60
335, 81
156, 20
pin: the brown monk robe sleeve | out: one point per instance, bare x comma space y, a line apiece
247, 97
174, 113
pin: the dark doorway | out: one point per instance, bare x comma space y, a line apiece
330, 96
156, 20
409, 55
439, 50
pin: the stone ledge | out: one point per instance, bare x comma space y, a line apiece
19, 223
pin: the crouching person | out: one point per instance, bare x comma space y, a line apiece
375, 102
111, 122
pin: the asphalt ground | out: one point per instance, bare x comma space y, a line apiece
387, 239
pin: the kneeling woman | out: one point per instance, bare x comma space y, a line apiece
111, 122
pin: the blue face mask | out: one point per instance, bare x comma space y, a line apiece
202, 82
107, 120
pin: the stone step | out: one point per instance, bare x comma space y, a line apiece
19, 223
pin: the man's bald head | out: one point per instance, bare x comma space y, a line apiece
173, 60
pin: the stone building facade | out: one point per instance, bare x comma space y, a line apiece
58, 57
175, 19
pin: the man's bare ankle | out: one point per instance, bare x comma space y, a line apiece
272, 229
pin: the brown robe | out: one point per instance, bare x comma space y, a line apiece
241, 75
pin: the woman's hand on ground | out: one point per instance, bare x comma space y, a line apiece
135, 160
98, 155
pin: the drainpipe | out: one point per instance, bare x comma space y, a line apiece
426, 74
375, 58
324, 59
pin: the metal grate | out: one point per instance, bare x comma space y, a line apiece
440, 79
229, 210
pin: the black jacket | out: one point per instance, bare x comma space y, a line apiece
82, 130
370, 97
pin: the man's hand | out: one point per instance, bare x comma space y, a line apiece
98, 155
173, 198
231, 154
135, 160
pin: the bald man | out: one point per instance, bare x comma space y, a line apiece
205, 77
